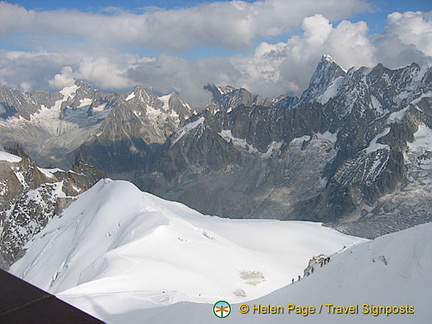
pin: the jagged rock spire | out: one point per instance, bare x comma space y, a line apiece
325, 74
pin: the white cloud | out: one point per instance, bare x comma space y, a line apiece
34, 69
234, 24
270, 70
63, 79
412, 28
25, 86
167, 73
286, 67
14, 18
283, 67
407, 38
102, 72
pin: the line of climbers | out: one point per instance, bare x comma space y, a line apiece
321, 259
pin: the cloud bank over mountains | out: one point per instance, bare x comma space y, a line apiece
118, 49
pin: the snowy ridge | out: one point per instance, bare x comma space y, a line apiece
130, 96
165, 100
134, 250
5, 156
85, 102
424, 95
50, 172
186, 129
392, 270
331, 90
374, 146
239, 142
273, 147
422, 138
397, 116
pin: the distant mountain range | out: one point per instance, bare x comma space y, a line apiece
353, 151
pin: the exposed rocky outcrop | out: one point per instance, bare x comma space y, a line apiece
31, 196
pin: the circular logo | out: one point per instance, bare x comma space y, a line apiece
222, 309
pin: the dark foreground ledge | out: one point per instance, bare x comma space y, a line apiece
21, 302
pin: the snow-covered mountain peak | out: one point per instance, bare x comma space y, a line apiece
327, 58
116, 240
228, 98
166, 101
324, 77
69, 92
218, 91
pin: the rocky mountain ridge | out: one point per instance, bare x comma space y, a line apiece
351, 141
51, 127
355, 143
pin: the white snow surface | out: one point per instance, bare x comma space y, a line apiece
48, 118
5, 156
50, 172
130, 96
85, 102
422, 138
227, 135
392, 270
331, 90
68, 92
374, 146
116, 251
419, 150
376, 104
397, 116
327, 136
274, 146
317, 139
165, 100
424, 95
186, 129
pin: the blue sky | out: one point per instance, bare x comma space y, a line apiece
268, 46
100, 4
375, 19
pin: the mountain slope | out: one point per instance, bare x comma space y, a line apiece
338, 154
118, 245
52, 126
393, 270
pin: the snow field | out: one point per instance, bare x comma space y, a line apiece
391, 272
118, 246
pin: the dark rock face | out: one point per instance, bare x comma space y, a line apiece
333, 155
30, 197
